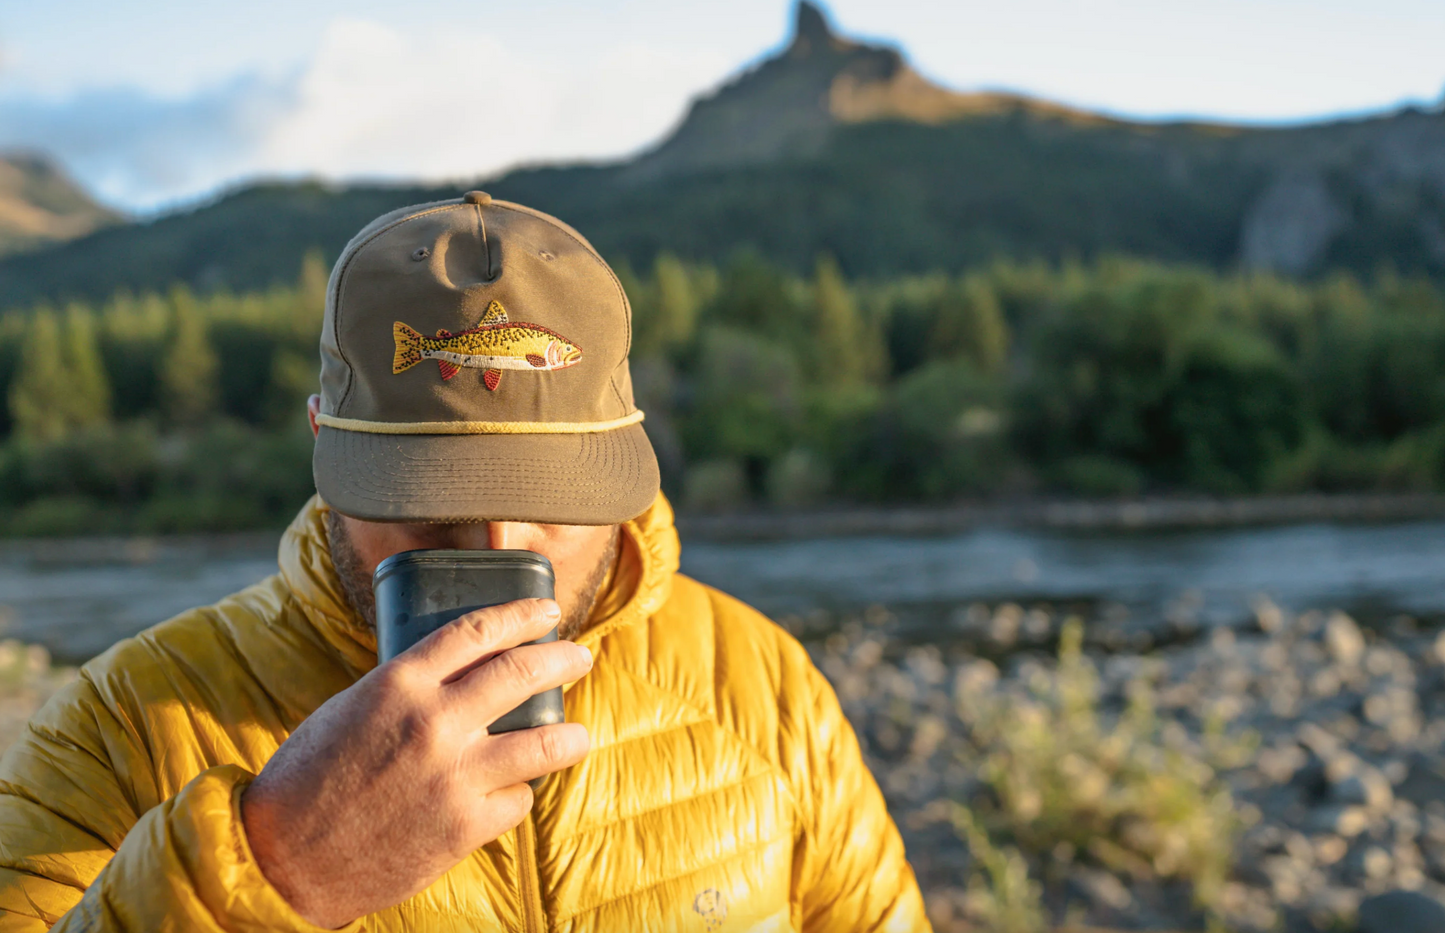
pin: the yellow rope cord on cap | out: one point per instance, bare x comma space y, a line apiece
476, 427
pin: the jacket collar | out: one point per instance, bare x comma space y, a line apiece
642, 579
638, 586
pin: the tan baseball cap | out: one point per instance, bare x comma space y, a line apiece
474, 368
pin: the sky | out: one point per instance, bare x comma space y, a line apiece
153, 105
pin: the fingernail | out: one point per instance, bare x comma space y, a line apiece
586, 654
550, 609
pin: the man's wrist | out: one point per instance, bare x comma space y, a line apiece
260, 822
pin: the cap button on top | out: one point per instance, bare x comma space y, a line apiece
477, 197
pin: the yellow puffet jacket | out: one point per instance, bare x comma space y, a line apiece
724, 791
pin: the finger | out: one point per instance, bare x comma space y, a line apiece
480, 633
528, 754
500, 685
499, 811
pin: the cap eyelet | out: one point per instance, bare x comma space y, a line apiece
420, 253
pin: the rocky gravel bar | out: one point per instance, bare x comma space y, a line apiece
1336, 788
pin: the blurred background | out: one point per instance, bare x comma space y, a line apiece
1069, 376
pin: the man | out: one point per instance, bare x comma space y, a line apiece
249, 766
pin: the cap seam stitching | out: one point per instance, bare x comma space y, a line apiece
486, 245
591, 251
341, 285
584, 479
616, 283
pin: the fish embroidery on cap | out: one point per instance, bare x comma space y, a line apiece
497, 343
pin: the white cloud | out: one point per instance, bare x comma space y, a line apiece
459, 89
138, 151
372, 102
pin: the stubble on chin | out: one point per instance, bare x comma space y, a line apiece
350, 571
356, 582
576, 620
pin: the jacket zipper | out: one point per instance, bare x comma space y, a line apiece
534, 918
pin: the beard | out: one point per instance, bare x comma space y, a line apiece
356, 581
576, 620
350, 571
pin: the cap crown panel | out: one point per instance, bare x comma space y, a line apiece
436, 272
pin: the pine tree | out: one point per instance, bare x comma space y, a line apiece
846, 350
647, 339
188, 370
61, 384
970, 325
677, 301
87, 395
311, 293
34, 397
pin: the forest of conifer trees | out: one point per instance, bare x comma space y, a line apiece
765, 389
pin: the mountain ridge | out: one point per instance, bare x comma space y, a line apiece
40, 204
783, 106
839, 146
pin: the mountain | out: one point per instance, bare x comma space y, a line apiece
251, 238
788, 106
39, 205
839, 146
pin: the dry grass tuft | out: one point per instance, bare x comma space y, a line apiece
1068, 782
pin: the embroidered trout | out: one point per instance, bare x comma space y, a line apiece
497, 343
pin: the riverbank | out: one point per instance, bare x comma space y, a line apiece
1123, 515
135, 550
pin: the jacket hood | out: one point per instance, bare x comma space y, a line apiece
639, 584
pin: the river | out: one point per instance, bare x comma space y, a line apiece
77, 598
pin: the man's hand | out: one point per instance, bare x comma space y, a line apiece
396, 779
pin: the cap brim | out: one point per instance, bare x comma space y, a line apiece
600, 478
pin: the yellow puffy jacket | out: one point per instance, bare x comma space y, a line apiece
724, 790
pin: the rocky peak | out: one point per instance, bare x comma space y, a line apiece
811, 29
787, 106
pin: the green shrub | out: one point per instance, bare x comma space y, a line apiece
1094, 475
714, 486
127, 477
58, 516
1233, 408
104, 463
1001, 898
939, 433
1064, 777
746, 402
798, 479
